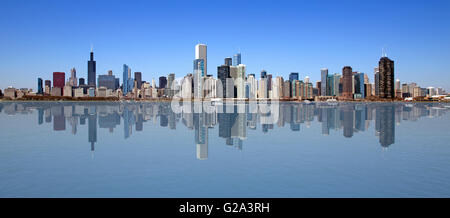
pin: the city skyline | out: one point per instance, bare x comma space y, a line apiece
277, 52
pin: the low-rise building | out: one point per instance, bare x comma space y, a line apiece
10, 92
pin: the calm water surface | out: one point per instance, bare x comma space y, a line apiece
294, 150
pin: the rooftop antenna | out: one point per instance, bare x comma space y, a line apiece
92, 47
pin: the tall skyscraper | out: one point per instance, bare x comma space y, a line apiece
138, 79
170, 84
377, 81
237, 59
201, 53
386, 67
347, 75
263, 74
91, 70
240, 81
73, 77
223, 74
359, 85
40, 90
323, 81
125, 80
228, 61
199, 73
59, 79
293, 76
162, 82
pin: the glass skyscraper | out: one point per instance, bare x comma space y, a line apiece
237, 59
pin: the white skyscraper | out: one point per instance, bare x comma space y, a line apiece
201, 53
240, 81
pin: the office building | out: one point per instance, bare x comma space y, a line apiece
237, 59
201, 53
40, 89
347, 86
92, 71
323, 82
386, 84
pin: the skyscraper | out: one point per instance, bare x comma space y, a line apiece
377, 81
40, 90
293, 76
199, 73
347, 75
263, 74
237, 59
228, 61
91, 70
170, 84
201, 53
73, 77
223, 74
59, 79
125, 80
323, 81
386, 67
162, 82
240, 81
359, 85
138, 79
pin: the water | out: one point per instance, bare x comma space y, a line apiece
65, 149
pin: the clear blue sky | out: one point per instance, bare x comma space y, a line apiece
157, 38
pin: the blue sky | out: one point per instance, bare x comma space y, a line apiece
158, 38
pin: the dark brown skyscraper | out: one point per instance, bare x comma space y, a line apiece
386, 84
347, 89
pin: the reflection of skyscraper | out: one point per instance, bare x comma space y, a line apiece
387, 125
59, 121
347, 120
201, 136
40, 116
92, 128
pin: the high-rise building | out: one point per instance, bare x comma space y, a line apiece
162, 82
240, 81
59, 79
359, 86
170, 84
199, 73
347, 75
293, 76
263, 74
73, 77
223, 74
125, 79
228, 61
201, 53
108, 81
81, 82
386, 67
323, 82
40, 90
237, 59
91, 70
377, 81
138, 79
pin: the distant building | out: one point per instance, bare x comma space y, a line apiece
386, 67
73, 77
138, 79
81, 82
377, 81
347, 92
91, 71
58, 82
359, 86
228, 61
323, 82
223, 74
40, 89
108, 81
10, 92
237, 59
162, 82
201, 53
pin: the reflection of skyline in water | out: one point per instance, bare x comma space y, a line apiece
232, 124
